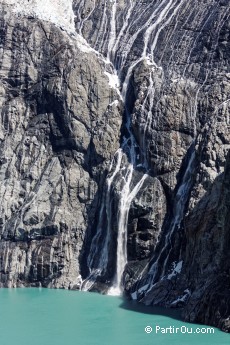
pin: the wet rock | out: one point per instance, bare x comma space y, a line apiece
63, 117
58, 132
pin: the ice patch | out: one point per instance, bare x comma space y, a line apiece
59, 12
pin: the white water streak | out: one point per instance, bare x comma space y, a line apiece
178, 213
123, 29
150, 29
126, 198
123, 41
95, 245
112, 36
87, 17
147, 36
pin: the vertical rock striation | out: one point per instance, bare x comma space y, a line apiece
60, 125
115, 126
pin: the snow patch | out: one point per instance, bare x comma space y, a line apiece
59, 12
115, 103
114, 82
134, 296
176, 269
83, 45
182, 298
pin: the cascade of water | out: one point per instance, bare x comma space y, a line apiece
123, 29
150, 29
86, 18
150, 98
97, 267
161, 19
157, 271
181, 199
126, 198
98, 45
112, 36
99, 251
129, 41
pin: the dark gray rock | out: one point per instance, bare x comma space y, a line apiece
59, 128
63, 117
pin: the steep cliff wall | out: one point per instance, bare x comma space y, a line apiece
114, 142
60, 125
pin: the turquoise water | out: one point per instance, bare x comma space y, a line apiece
58, 317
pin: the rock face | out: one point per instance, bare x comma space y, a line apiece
114, 145
202, 287
59, 127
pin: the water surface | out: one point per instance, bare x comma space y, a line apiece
58, 317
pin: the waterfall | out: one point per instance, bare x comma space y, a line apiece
97, 267
112, 36
181, 199
126, 198
121, 41
158, 271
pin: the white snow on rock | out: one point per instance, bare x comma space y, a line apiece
176, 269
182, 298
114, 103
134, 296
114, 82
59, 12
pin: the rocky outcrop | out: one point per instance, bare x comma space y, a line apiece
202, 286
60, 125
114, 143
207, 256
178, 102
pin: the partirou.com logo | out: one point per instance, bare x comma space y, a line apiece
175, 330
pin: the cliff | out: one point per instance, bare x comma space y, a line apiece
60, 124
114, 140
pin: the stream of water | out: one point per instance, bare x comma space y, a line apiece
159, 18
